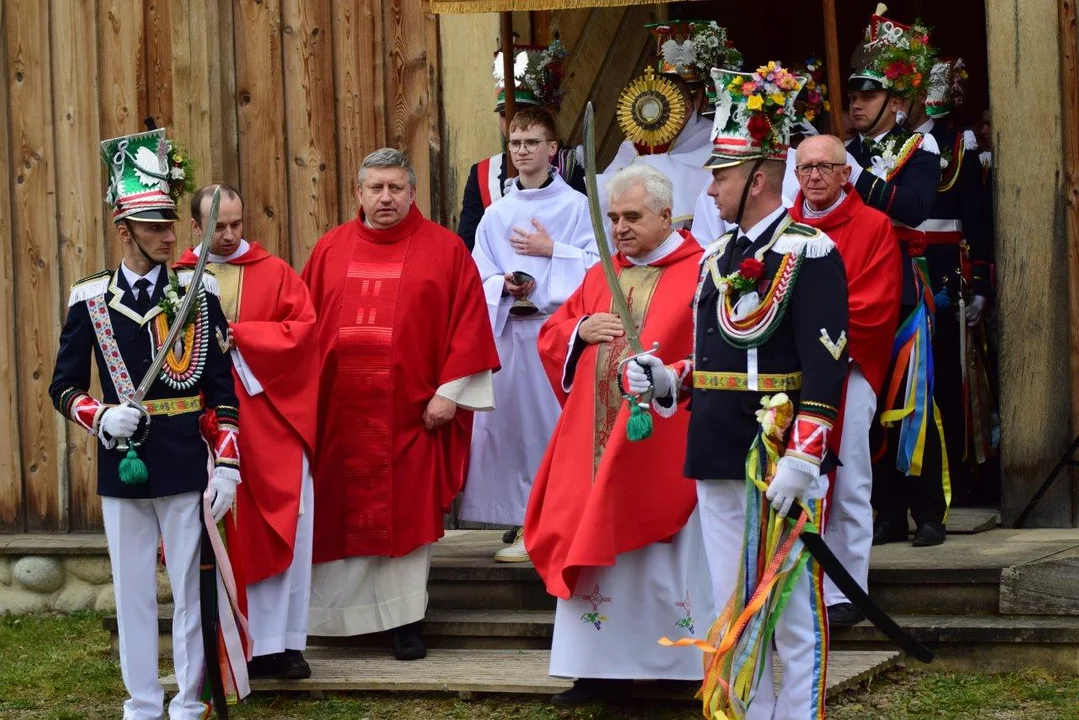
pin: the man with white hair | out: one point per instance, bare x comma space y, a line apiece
406, 350
602, 508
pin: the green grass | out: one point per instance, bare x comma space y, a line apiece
60, 668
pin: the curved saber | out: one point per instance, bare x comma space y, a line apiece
621, 307
833, 568
178, 323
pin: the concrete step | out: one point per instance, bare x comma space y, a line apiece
517, 672
980, 643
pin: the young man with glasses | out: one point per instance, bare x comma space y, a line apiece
532, 248
867, 244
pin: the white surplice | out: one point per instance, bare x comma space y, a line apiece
609, 628
508, 443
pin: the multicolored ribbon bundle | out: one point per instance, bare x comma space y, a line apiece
912, 357
739, 642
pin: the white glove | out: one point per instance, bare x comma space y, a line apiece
788, 485
120, 421
975, 309
222, 491
855, 167
662, 382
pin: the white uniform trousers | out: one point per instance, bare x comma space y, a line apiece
277, 606
801, 632
133, 528
848, 529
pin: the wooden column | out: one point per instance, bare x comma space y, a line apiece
12, 508
470, 132
1024, 87
835, 85
1069, 95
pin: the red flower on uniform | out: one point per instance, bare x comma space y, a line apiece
758, 127
751, 269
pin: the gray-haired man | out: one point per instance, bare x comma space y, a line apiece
404, 342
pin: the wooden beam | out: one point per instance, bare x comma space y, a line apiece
190, 47
1069, 95
359, 92
831, 50
309, 124
261, 122
11, 482
509, 79
1035, 393
37, 275
80, 212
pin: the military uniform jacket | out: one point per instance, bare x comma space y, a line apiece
804, 279
908, 191
103, 320
960, 197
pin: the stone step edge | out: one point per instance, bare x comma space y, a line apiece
926, 628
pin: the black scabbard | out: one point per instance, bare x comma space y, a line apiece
815, 546
208, 615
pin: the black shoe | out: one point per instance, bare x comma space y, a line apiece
294, 666
510, 536
885, 531
929, 534
844, 614
408, 642
587, 691
263, 667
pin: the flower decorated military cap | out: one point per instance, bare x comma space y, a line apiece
945, 88
537, 73
690, 49
892, 57
754, 114
147, 175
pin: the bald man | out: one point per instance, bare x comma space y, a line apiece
870, 252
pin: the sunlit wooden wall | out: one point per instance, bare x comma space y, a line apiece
282, 98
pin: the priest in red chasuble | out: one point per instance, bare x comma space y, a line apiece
870, 252
274, 349
406, 353
612, 526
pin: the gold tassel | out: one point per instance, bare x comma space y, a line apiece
483, 6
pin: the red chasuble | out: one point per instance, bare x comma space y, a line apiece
872, 258
596, 494
401, 312
273, 323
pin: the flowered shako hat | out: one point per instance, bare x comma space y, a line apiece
812, 101
754, 114
147, 176
537, 74
945, 89
892, 57
691, 48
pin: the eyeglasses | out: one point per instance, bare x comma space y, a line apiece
825, 169
529, 144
